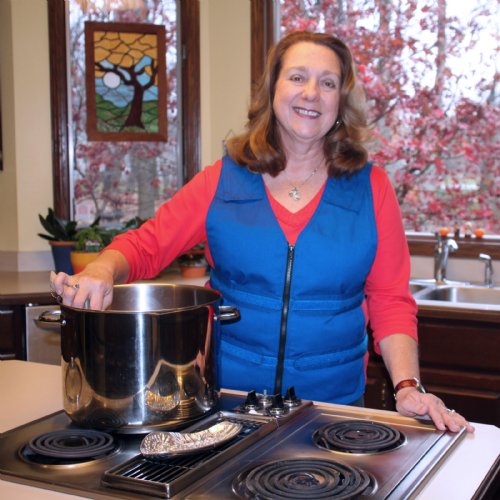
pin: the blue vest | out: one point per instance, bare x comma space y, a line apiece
300, 304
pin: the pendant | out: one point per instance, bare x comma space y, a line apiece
294, 194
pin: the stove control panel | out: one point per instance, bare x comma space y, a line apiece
272, 405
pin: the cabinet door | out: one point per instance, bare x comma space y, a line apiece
379, 391
469, 394
460, 363
11, 332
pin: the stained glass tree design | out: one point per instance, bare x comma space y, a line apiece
125, 66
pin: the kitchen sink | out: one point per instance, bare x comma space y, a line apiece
462, 294
455, 294
426, 282
417, 287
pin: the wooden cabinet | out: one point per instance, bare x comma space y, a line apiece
12, 345
13, 322
459, 362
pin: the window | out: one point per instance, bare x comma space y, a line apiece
119, 180
435, 118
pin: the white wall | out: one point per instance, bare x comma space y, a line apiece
225, 72
26, 181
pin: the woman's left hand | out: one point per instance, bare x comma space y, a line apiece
412, 403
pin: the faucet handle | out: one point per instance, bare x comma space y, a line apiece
485, 257
452, 244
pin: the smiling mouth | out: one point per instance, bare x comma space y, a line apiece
307, 112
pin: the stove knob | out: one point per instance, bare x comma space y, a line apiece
265, 399
251, 402
290, 398
278, 406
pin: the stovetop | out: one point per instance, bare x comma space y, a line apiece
398, 473
294, 452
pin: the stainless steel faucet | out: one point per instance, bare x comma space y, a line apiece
488, 269
441, 253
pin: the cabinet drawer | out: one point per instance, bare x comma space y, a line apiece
475, 405
445, 343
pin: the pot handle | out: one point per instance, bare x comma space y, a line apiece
227, 313
50, 318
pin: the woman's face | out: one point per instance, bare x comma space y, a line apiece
306, 98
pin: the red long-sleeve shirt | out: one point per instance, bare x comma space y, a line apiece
180, 224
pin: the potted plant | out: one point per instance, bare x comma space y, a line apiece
193, 263
89, 241
61, 238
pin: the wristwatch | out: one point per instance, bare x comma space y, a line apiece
409, 382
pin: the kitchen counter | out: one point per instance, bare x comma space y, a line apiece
21, 287
31, 390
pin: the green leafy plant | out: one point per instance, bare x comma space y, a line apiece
94, 237
58, 229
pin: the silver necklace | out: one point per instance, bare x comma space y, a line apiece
294, 193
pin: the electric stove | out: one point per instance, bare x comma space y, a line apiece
286, 448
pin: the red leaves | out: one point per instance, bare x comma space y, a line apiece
438, 144
469, 152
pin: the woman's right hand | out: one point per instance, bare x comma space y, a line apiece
90, 289
93, 287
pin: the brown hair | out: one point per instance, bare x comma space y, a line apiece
259, 147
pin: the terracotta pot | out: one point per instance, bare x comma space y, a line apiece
61, 254
79, 260
193, 271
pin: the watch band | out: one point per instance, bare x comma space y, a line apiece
409, 382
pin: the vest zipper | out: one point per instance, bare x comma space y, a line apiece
284, 320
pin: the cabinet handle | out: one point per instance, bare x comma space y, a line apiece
4, 312
383, 394
50, 320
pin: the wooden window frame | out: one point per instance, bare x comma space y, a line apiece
190, 121
262, 29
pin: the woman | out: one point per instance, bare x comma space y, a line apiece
303, 235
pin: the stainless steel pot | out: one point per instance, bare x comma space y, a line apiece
149, 361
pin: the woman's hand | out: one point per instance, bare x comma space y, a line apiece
90, 289
412, 403
93, 287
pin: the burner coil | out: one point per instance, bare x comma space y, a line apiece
302, 478
358, 436
73, 443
